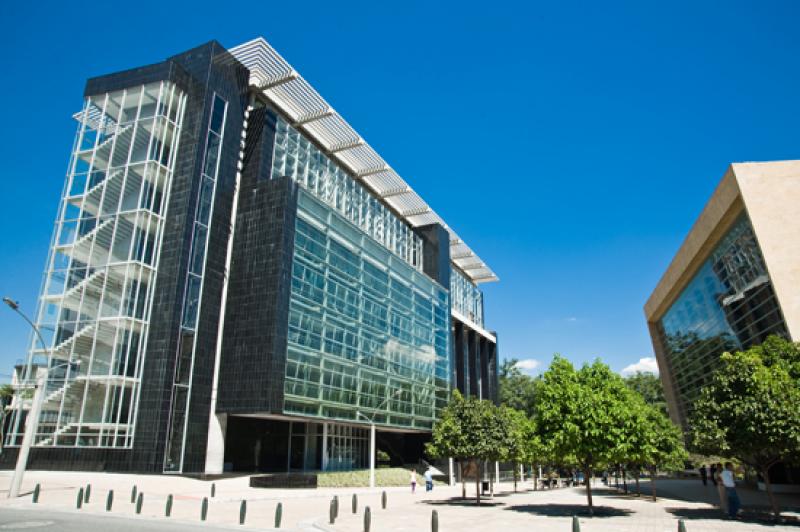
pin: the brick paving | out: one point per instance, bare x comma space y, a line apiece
304, 509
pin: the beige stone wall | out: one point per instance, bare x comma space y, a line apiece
771, 194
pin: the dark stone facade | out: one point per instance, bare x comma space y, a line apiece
200, 72
253, 361
254, 343
475, 363
435, 253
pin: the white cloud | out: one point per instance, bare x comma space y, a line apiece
571, 319
645, 365
528, 365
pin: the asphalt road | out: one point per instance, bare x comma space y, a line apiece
49, 521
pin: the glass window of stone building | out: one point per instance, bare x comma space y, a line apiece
728, 305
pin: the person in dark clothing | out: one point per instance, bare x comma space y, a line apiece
704, 475
714, 474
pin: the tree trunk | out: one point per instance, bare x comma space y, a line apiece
587, 472
535, 478
653, 471
772, 502
478, 482
463, 480
616, 477
491, 482
625, 480
638, 492
516, 467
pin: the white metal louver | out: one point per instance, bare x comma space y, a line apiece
288, 91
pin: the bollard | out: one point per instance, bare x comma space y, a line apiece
139, 502
367, 519
576, 525
79, 502
204, 509
213, 490
434, 521
87, 493
36, 493
336, 509
332, 511
355, 503
168, 507
109, 500
681, 526
278, 515
242, 512
383, 500
133, 494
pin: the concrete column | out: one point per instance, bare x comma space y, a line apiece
450, 471
324, 446
215, 449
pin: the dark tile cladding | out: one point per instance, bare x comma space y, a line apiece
253, 361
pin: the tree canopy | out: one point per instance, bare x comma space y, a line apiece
517, 390
750, 411
582, 414
649, 387
587, 418
468, 430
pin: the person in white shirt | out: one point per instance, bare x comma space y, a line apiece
730, 486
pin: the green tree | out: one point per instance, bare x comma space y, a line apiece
520, 437
649, 387
581, 414
665, 449
750, 409
6, 394
467, 431
517, 390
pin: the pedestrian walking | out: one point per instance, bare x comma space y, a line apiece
428, 480
723, 495
413, 481
730, 487
704, 474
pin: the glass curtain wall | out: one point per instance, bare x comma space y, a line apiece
729, 305
296, 157
367, 332
94, 310
467, 298
181, 388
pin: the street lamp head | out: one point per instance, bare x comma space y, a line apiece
11, 303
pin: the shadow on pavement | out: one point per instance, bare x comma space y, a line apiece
568, 510
747, 516
458, 501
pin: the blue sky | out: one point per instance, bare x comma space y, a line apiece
571, 144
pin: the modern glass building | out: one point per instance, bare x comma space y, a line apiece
733, 282
238, 281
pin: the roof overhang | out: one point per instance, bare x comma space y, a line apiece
287, 90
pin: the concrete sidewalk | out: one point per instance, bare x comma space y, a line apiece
308, 509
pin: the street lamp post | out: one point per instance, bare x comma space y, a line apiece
372, 437
32, 421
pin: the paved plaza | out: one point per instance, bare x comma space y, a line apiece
305, 509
